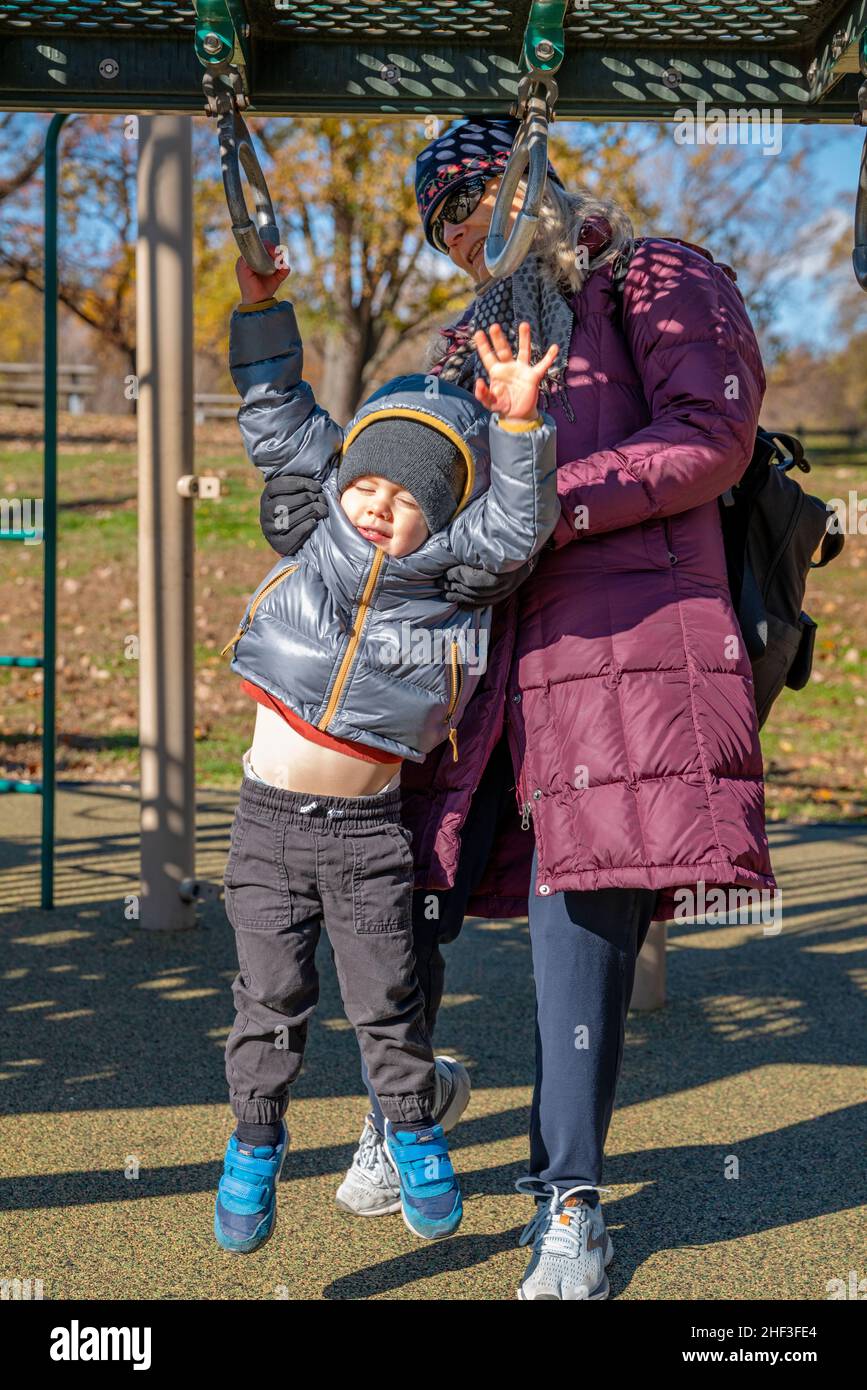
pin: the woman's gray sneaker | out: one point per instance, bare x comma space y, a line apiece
451, 1092
371, 1186
571, 1246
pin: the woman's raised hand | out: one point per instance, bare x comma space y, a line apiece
512, 389
257, 287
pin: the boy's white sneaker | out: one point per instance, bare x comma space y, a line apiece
571, 1246
371, 1186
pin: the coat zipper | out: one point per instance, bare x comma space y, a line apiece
457, 684
666, 526
272, 584
526, 806
352, 647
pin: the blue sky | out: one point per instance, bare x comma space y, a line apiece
807, 311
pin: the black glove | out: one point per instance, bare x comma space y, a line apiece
289, 509
476, 588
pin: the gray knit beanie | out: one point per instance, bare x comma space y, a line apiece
417, 457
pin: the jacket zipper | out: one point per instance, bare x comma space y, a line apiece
457, 684
526, 806
352, 646
666, 526
272, 584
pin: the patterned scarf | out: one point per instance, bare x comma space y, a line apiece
529, 295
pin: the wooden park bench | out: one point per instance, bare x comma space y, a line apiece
21, 384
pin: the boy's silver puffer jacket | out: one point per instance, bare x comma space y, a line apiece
359, 643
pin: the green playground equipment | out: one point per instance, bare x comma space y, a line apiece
577, 59
628, 60
46, 534
642, 60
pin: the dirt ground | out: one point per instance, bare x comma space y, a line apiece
815, 745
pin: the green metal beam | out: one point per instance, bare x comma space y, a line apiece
544, 42
617, 83
49, 516
223, 21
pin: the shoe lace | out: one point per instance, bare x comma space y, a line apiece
556, 1236
369, 1154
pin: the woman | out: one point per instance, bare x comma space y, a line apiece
610, 756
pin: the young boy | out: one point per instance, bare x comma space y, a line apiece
357, 661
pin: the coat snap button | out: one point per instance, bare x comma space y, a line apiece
537, 795
516, 699
543, 888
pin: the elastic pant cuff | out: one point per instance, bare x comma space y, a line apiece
414, 1109
260, 1110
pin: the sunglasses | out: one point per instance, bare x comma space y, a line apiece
457, 208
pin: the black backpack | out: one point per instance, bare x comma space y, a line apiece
771, 529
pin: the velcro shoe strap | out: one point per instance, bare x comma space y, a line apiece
246, 1164
256, 1195
422, 1172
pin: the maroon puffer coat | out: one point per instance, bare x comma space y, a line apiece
618, 667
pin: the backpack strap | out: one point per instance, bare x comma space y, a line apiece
796, 457
832, 544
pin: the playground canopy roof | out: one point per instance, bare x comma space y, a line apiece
640, 60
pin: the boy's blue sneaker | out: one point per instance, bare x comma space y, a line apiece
430, 1198
246, 1207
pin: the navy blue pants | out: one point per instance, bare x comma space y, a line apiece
584, 949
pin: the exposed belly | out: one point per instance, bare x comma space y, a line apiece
285, 758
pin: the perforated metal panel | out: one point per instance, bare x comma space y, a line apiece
729, 22
96, 16
451, 21
650, 22
624, 59
448, 20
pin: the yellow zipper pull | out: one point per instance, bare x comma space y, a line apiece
453, 740
263, 593
232, 640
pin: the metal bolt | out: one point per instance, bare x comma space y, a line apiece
672, 77
212, 43
838, 43
109, 67
389, 73
545, 50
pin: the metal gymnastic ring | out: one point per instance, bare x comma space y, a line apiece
506, 250
237, 151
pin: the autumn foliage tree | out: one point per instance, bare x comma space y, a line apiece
368, 289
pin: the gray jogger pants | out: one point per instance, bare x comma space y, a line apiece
296, 863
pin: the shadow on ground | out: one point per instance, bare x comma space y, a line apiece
100, 1016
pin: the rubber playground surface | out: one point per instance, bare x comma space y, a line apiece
115, 1115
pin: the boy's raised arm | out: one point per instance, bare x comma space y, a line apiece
283, 428
502, 529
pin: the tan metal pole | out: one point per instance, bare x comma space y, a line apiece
164, 367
